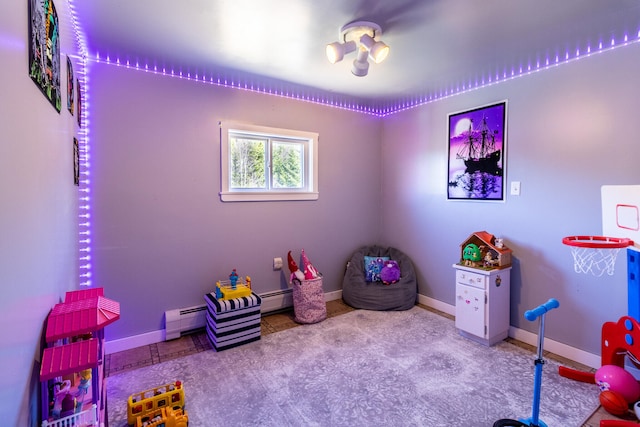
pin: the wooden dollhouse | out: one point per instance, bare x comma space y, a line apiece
483, 250
72, 369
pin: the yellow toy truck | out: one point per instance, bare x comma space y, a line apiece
149, 404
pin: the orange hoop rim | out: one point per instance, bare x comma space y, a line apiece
597, 242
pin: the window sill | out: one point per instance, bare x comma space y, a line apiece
266, 197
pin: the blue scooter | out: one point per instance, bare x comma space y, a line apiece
534, 421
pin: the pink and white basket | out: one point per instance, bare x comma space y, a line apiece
309, 305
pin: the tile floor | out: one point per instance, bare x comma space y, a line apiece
123, 361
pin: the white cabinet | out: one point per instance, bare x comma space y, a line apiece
482, 303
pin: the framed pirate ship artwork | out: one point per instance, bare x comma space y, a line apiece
476, 155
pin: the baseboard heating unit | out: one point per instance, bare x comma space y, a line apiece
184, 321
276, 300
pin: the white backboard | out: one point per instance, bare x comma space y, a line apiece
621, 212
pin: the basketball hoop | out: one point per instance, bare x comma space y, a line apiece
595, 254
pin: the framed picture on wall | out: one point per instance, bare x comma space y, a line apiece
70, 92
44, 49
476, 156
76, 162
79, 102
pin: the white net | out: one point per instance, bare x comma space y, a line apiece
596, 261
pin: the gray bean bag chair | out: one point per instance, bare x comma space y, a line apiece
359, 293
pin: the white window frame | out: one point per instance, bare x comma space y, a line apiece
310, 167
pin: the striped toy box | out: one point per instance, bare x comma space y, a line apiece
233, 322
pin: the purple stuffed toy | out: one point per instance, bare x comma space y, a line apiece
390, 272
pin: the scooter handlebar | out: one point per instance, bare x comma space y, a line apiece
532, 315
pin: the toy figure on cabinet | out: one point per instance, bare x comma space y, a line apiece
489, 260
471, 255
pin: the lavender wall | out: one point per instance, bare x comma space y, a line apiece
571, 129
162, 237
38, 216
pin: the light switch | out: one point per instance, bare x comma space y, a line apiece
515, 188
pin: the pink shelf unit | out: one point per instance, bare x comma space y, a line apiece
75, 347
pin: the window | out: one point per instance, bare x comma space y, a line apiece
262, 163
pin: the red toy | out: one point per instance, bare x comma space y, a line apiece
614, 403
293, 268
618, 339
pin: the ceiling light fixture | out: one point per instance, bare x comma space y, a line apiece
362, 36
337, 50
360, 66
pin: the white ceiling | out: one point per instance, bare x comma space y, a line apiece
437, 46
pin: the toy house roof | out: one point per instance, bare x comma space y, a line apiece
69, 358
486, 238
79, 317
83, 294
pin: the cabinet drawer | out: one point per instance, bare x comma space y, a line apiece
471, 279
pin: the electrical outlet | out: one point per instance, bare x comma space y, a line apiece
515, 188
277, 263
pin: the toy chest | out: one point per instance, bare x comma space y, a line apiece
232, 322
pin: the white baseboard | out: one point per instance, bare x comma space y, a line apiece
438, 305
134, 341
556, 347
332, 296
577, 355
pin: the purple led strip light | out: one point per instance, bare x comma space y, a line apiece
385, 108
84, 149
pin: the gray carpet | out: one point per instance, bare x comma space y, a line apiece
363, 368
